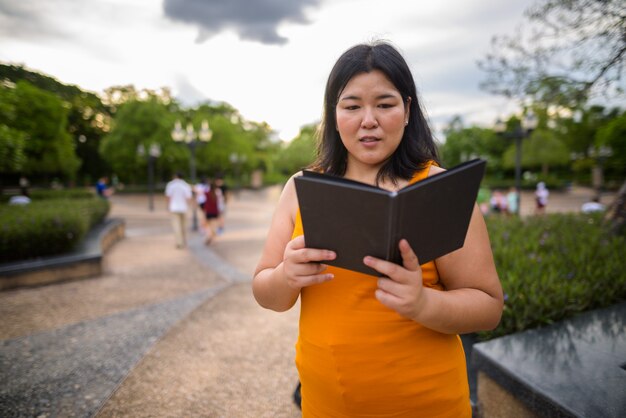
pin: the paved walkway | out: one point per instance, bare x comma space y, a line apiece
164, 332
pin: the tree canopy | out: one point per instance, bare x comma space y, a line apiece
87, 118
567, 51
34, 133
299, 153
138, 123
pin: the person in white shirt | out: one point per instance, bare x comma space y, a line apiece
541, 198
179, 195
593, 206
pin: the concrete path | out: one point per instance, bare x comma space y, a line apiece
164, 332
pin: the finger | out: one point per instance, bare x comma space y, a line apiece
311, 255
388, 299
409, 259
308, 269
385, 268
304, 281
306, 255
392, 287
319, 278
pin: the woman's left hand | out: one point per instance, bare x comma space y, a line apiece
401, 288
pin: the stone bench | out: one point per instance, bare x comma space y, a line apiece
85, 261
574, 368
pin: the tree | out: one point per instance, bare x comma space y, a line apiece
141, 123
542, 150
569, 50
232, 136
612, 136
579, 133
88, 118
12, 141
88, 121
463, 143
299, 153
41, 117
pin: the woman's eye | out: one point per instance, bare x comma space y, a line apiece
386, 105
351, 107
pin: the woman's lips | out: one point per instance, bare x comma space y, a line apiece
369, 139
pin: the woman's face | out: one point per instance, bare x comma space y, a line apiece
371, 117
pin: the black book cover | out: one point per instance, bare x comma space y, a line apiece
356, 219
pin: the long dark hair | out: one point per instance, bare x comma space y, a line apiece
417, 146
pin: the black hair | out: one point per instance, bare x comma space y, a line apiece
417, 146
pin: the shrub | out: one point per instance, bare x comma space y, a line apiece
554, 266
47, 227
46, 194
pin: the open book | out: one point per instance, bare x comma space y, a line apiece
356, 219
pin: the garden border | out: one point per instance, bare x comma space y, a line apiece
85, 261
572, 368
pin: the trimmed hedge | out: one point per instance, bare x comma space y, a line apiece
46, 194
552, 267
47, 227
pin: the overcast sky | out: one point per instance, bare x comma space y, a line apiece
267, 58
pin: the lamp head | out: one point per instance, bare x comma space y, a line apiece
178, 134
191, 133
499, 127
529, 122
205, 133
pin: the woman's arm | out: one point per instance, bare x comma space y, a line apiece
472, 299
286, 266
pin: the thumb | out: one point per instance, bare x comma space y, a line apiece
298, 242
409, 259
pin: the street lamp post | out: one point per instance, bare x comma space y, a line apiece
523, 130
154, 152
192, 139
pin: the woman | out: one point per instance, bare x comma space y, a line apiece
211, 208
378, 346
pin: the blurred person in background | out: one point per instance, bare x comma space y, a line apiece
541, 198
178, 193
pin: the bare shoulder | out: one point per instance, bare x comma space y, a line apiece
288, 203
289, 190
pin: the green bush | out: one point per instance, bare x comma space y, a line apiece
552, 183
554, 266
272, 178
47, 227
47, 194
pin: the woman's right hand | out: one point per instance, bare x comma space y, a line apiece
302, 266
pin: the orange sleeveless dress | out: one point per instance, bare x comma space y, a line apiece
358, 358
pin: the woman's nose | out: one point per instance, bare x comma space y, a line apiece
369, 119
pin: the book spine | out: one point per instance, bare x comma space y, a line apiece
393, 253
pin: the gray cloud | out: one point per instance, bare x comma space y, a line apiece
252, 20
27, 19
